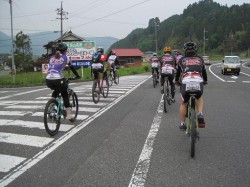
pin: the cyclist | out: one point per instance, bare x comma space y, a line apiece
192, 68
55, 78
154, 62
112, 60
168, 64
98, 60
178, 56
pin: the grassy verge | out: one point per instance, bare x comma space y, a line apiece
37, 78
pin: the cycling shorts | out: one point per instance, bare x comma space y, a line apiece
186, 90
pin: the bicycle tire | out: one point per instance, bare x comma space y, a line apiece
105, 88
165, 96
73, 100
110, 79
193, 133
168, 94
51, 123
95, 92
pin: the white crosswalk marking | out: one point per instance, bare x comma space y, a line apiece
24, 139
28, 115
8, 162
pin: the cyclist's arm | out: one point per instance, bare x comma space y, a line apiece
178, 73
204, 73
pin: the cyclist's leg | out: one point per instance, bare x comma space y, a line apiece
183, 107
157, 71
52, 85
162, 81
199, 103
171, 81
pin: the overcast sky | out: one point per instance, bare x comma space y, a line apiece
116, 18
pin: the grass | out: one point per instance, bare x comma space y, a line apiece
37, 78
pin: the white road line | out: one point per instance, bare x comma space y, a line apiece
24, 139
26, 106
140, 172
246, 81
14, 113
31, 124
54, 145
88, 109
23, 93
215, 74
231, 81
8, 162
245, 66
79, 117
245, 74
234, 77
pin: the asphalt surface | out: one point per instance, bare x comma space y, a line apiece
105, 151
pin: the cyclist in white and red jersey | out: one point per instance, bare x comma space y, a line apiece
193, 72
154, 63
168, 64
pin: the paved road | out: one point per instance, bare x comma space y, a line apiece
128, 140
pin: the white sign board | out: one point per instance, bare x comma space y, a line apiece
80, 50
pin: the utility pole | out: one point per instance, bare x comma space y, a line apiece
204, 38
12, 44
62, 15
156, 47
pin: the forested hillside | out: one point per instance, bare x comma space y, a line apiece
225, 29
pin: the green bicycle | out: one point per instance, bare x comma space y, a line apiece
55, 109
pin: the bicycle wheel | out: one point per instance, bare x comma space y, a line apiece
73, 100
95, 92
193, 133
117, 77
168, 94
51, 121
165, 95
110, 79
105, 87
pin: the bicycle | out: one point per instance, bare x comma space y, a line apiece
167, 96
55, 109
154, 77
104, 88
112, 78
192, 124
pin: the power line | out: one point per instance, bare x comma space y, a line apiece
119, 11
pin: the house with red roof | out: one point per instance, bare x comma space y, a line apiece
129, 57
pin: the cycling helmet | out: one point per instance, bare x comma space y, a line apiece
190, 46
154, 54
167, 50
100, 49
61, 47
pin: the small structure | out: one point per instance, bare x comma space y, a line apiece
66, 37
129, 57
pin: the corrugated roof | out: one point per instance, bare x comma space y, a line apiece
128, 52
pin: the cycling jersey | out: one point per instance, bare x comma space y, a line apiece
154, 62
112, 59
56, 67
192, 68
167, 64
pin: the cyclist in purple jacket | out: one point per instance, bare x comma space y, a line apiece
55, 78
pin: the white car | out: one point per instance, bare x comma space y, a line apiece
231, 64
206, 60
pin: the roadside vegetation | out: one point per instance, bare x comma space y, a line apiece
38, 79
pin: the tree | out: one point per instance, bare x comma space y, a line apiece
23, 52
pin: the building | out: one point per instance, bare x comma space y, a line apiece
129, 57
66, 37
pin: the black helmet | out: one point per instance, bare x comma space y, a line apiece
100, 49
190, 46
61, 47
